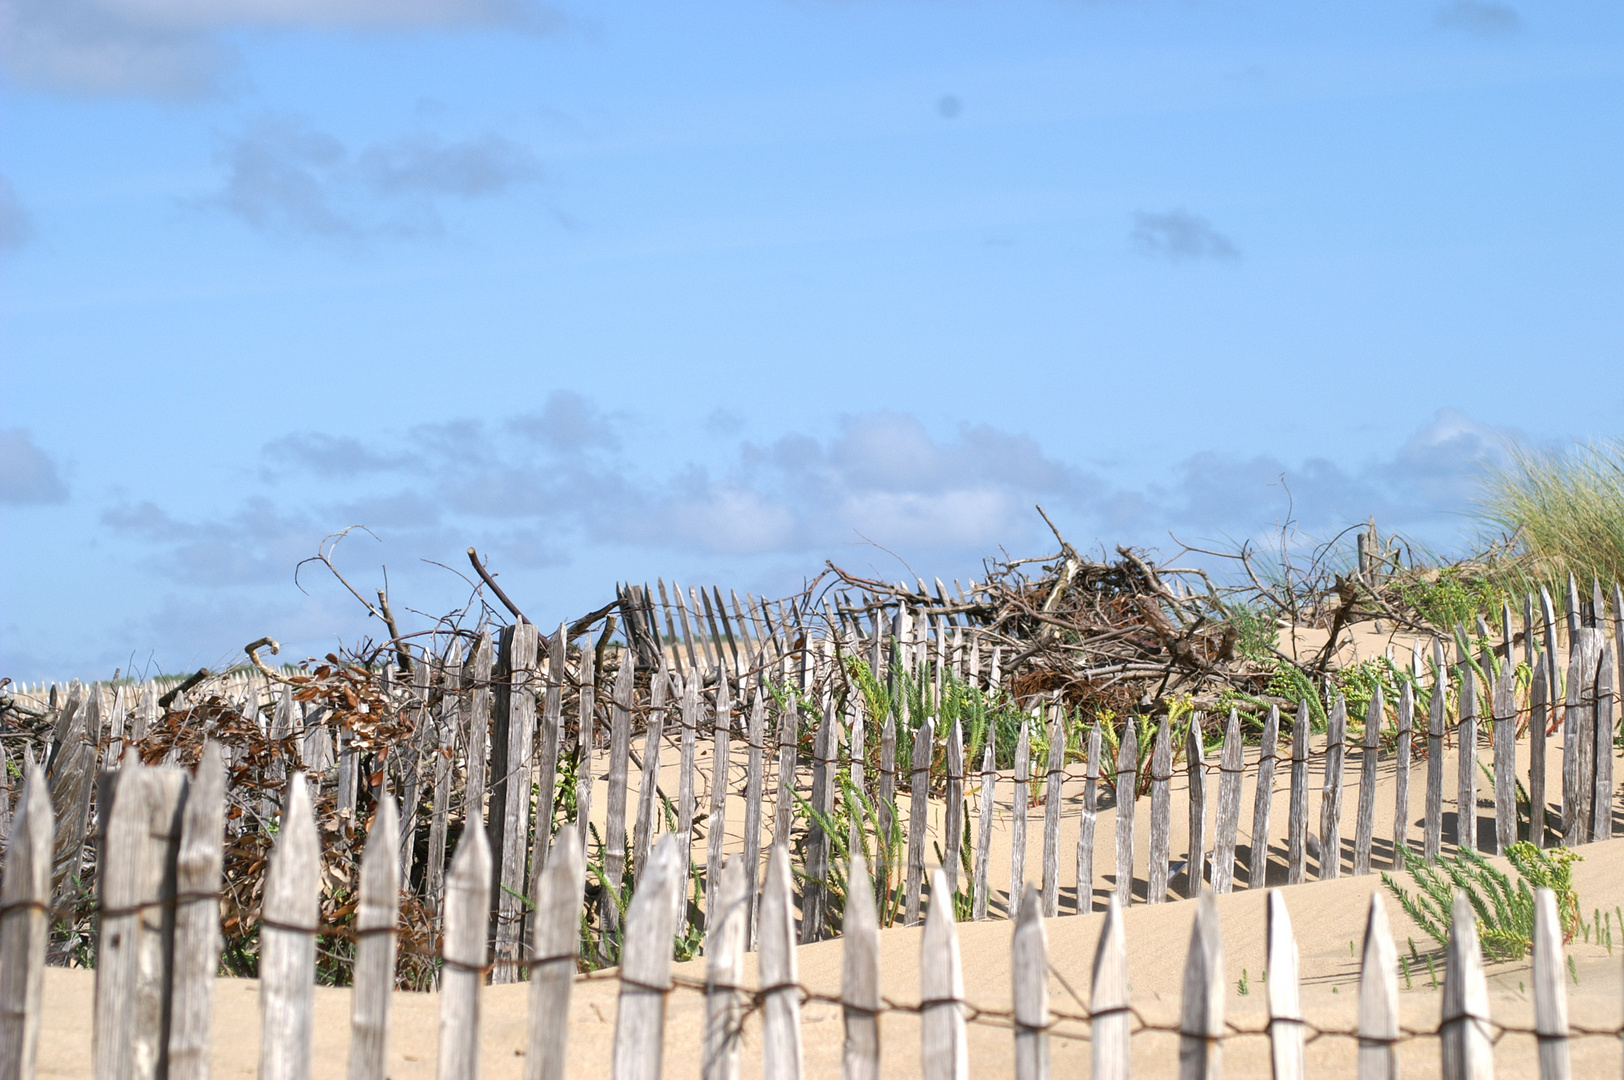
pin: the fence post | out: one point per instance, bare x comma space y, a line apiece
555, 944
463, 957
586, 742
196, 949
512, 748
781, 994
25, 898
648, 790
918, 812
445, 753
755, 734
1285, 999
983, 867
724, 968
1109, 1018
614, 826
1161, 813
1257, 864
1297, 818
1550, 995
1227, 824
1467, 1050
1085, 827
1029, 978
552, 739
944, 1053
1432, 828
815, 892
688, 752
953, 813
1466, 833
1401, 778
716, 823
886, 810
1195, 767
1364, 830
122, 887
1336, 737
1018, 817
1378, 998
1504, 711
860, 977
1053, 785
375, 918
1601, 827
287, 964
1201, 1015
1125, 783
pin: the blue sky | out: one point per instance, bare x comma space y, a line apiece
720, 291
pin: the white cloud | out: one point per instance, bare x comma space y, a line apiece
28, 475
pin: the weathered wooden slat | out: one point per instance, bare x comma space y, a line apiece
1161, 814
1297, 817
860, 977
1465, 1030
815, 890
287, 940
1019, 810
407, 758
1053, 791
1111, 1022
1257, 866
755, 735
953, 812
166, 799
512, 751
981, 886
121, 881
1125, 783
1605, 731
614, 828
1378, 998
781, 996
197, 918
724, 972
1466, 747
1285, 997
463, 956
789, 721
1504, 712
944, 1053
716, 821
1201, 1012
885, 811
1573, 615
376, 914
1086, 826
1227, 824
1401, 769
450, 723
1336, 736
1550, 990
1364, 831
1539, 697
25, 897
1195, 764
648, 789
551, 737
586, 744
1432, 821
918, 818
688, 753
1029, 979
555, 943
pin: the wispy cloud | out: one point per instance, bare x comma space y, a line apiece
1478, 18
180, 48
28, 475
1179, 235
16, 227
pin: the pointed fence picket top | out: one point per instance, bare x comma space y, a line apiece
551, 737
25, 898
781, 996
1606, 729
555, 944
1195, 760
1370, 747
944, 1051
376, 915
1297, 818
1161, 814
953, 812
198, 866
1086, 826
1432, 821
1110, 1020
1201, 1014
1539, 698
587, 740
287, 940
1378, 998
463, 957
1029, 980
1018, 816
860, 977
1336, 735
1285, 999
1257, 865
1550, 990
512, 751
1053, 790
646, 966
983, 864
918, 812
1468, 1047
1466, 748
1504, 711
1401, 767
724, 972
1127, 775
1226, 826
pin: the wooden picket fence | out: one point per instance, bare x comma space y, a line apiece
160, 853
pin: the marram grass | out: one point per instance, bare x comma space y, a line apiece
1566, 509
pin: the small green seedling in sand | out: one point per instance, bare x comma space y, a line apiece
1504, 909
1242, 987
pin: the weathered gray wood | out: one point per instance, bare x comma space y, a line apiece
1575, 730
1466, 747
1285, 997
1401, 769
1195, 762
1364, 830
781, 996
450, 723
944, 1052
1573, 614
724, 971
1504, 711
789, 723
1029, 979
1161, 814
376, 915
407, 758
953, 812
1086, 826
512, 751
463, 957
1018, 817
815, 892
648, 790
197, 918
1336, 736
1201, 1012
755, 734
287, 940
1550, 990
614, 828
586, 744
1539, 697
1378, 998
551, 736
1257, 866
1465, 1031
918, 818
688, 752
555, 943
1053, 791
25, 897
1227, 824
121, 874
1432, 821
1604, 733
1125, 784
1110, 1020
981, 886
860, 976
1297, 817
716, 821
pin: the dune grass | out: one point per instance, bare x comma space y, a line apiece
1565, 507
